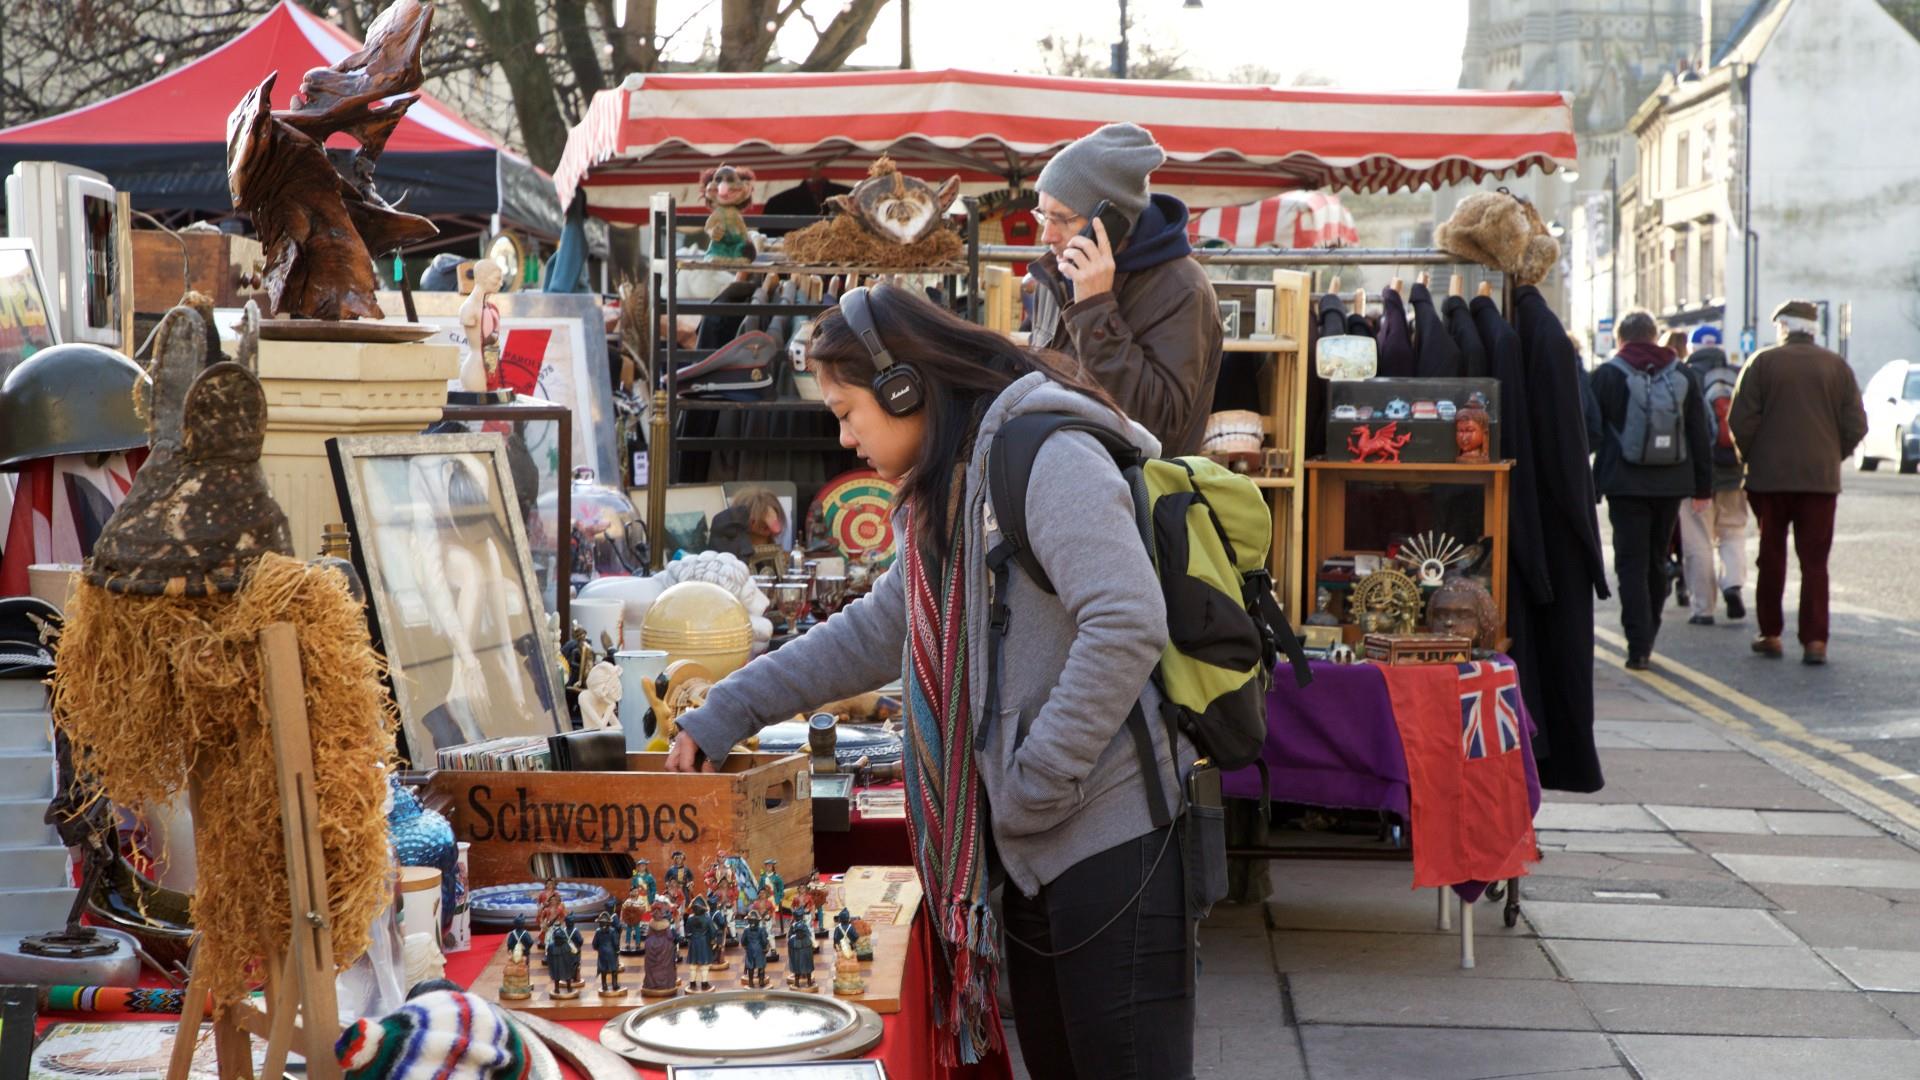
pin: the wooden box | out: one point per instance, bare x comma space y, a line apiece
758, 806
1419, 648
224, 266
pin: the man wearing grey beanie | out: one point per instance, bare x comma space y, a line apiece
1136, 309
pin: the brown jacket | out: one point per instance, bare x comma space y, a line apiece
1153, 342
1796, 416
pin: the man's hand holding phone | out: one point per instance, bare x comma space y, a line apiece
1088, 259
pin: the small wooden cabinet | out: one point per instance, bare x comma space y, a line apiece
1358, 508
1283, 399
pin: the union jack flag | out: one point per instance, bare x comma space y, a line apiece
1489, 687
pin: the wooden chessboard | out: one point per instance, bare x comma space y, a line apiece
887, 897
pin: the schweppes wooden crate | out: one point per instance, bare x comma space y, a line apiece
758, 807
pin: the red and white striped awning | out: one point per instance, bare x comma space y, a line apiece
1298, 219
1226, 144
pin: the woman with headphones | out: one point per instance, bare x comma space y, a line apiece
1047, 794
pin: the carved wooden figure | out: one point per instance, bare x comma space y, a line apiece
320, 228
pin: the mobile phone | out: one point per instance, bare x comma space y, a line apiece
1116, 224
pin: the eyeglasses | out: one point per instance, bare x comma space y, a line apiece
1064, 224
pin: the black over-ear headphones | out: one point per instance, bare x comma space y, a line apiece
897, 385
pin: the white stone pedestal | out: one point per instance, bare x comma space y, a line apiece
318, 390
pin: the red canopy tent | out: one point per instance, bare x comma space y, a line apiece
164, 142
1226, 144
1297, 219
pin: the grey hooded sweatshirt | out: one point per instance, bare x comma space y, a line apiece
1062, 778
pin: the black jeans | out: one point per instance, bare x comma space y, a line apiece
1642, 531
1119, 1007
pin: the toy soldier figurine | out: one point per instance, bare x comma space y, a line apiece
800, 956
847, 978
563, 959
516, 982
680, 878
845, 924
718, 871
663, 954
548, 910
721, 932
635, 911
606, 953
699, 930
643, 879
754, 947
773, 884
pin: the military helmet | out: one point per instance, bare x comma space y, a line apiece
75, 398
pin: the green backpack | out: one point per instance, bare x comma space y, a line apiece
1209, 531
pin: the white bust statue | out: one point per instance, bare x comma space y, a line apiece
600, 701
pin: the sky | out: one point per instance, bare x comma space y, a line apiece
1363, 44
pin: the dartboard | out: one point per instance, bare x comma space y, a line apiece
858, 510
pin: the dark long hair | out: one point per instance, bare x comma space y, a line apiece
962, 367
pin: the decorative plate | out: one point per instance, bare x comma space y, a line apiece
742, 1025
496, 905
357, 330
858, 510
851, 742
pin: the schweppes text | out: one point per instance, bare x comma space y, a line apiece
615, 826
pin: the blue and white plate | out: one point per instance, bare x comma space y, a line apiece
496, 905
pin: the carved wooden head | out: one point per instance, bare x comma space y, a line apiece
896, 207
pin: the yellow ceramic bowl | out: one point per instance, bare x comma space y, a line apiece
698, 620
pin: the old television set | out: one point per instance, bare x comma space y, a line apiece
73, 217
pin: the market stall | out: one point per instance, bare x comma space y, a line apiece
548, 803
164, 141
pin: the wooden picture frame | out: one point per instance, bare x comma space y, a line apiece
454, 600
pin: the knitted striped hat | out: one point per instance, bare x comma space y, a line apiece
443, 1035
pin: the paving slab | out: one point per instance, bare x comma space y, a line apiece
1878, 846
1606, 842
1698, 1057
1678, 865
1885, 929
1825, 900
1896, 970
1310, 905
1719, 892
1657, 735
1671, 964
1496, 955
1903, 1007
1589, 817
1436, 1001
1417, 1053
1655, 922
1223, 1054
1712, 819
1815, 823
1713, 1010
1815, 870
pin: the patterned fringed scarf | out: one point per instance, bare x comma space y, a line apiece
945, 815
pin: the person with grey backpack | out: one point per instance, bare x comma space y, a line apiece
1647, 421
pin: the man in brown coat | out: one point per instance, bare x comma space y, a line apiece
1796, 416
1137, 310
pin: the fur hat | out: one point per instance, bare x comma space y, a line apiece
1497, 229
441, 1035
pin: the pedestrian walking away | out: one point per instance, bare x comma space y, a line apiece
1647, 423
1713, 540
1796, 415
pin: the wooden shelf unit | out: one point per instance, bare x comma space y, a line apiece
1283, 398
1327, 494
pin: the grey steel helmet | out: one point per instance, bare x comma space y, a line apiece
69, 399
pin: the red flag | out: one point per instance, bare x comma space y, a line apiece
1465, 738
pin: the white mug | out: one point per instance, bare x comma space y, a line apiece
637, 668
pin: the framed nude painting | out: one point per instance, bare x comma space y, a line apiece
439, 540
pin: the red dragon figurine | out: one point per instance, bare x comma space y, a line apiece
1381, 446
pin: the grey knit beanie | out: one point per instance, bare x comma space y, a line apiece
1112, 163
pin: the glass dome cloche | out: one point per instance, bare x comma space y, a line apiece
609, 536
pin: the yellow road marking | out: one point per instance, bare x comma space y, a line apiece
1858, 787
1780, 721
